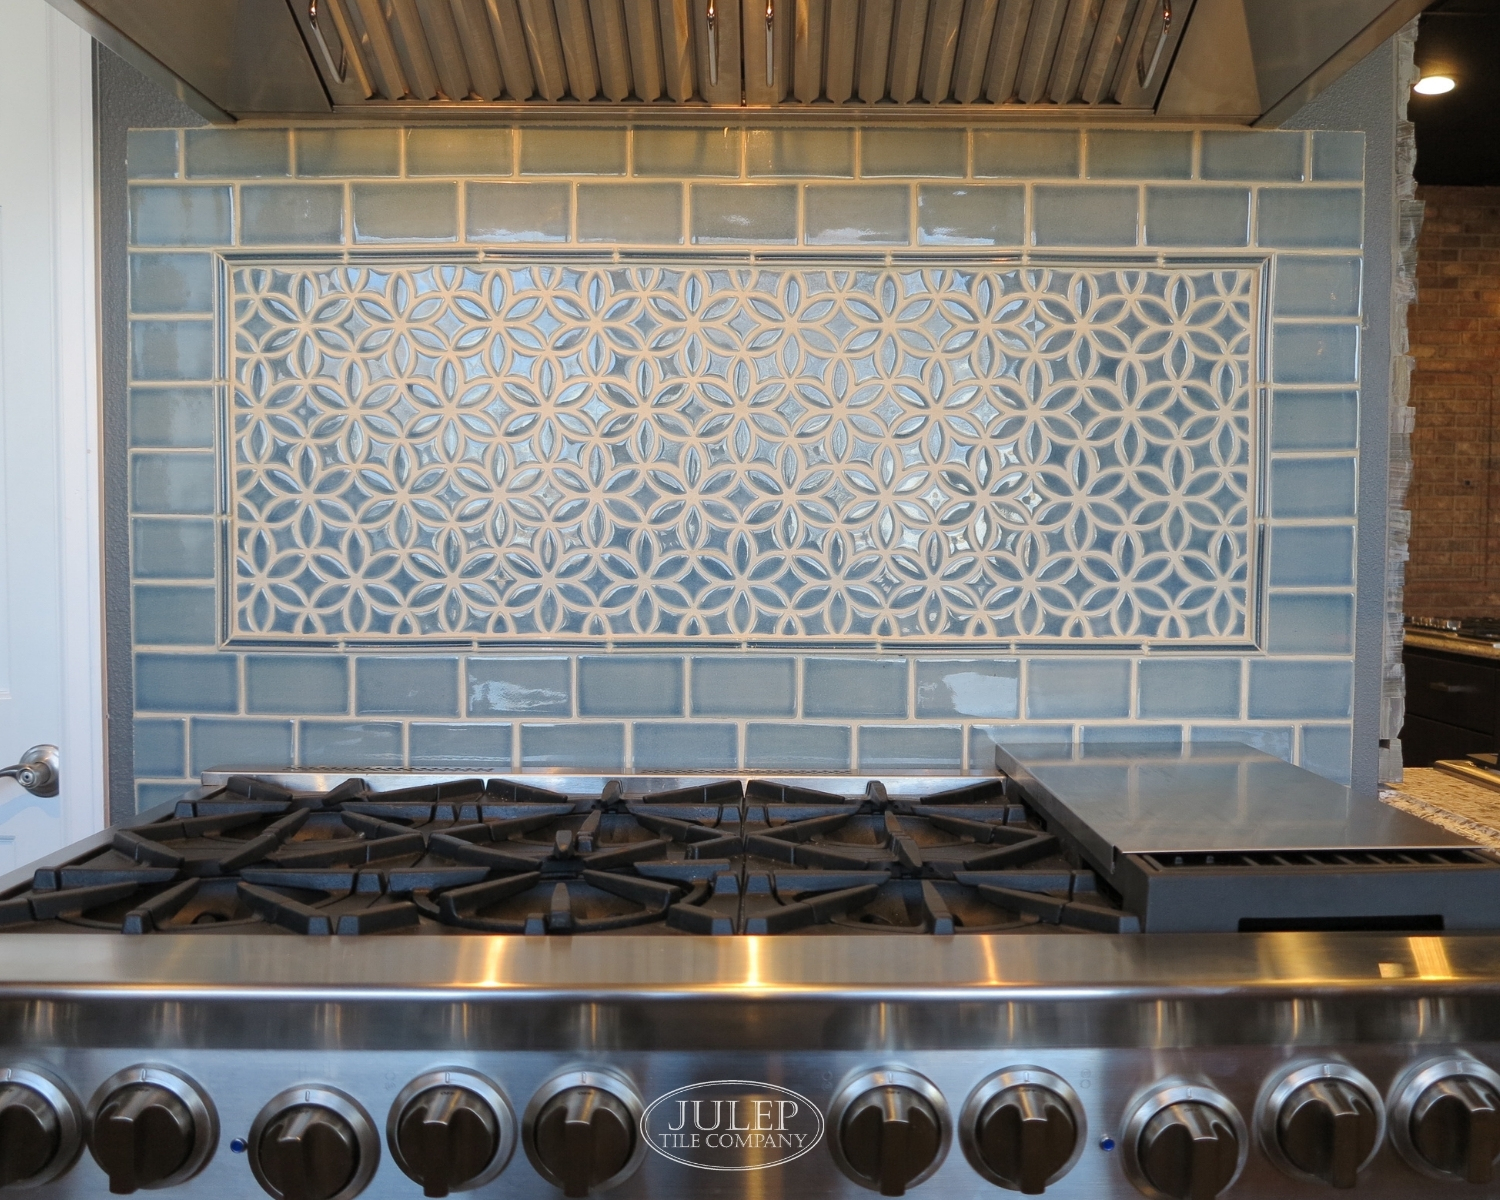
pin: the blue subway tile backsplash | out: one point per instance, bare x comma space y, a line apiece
580, 556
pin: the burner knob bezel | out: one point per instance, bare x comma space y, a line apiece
471, 1081
1278, 1089
200, 1109
1003, 1081
1163, 1095
874, 1080
608, 1081
342, 1105
64, 1107
1409, 1088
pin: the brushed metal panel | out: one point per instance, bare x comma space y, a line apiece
540, 21
843, 48
753, 21
445, 47
375, 41
807, 50
943, 22
1006, 45
612, 48
1214, 71
679, 59
1072, 45
1042, 34
576, 31
874, 48
486, 78
973, 50
726, 88
1109, 41
643, 31
410, 39
510, 45
908, 31
333, 45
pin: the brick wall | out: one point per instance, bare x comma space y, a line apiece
1455, 340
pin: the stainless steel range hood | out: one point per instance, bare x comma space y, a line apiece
1232, 61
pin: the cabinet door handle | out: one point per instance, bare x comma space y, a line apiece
1453, 689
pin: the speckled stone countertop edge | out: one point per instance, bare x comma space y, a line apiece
1467, 809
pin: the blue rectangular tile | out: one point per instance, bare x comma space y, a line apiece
172, 483
187, 683
1269, 155
171, 282
1312, 556
686, 153
172, 548
1326, 749
737, 213
744, 686
984, 738
577, 746
1273, 739
1315, 353
160, 748
1197, 216
350, 744
573, 151
770, 747
171, 350
412, 685
968, 687
1097, 738
1314, 420
971, 216
173, 418
172, 615
1182, 687
534, 687
451, 747
295, 684
854, 687
151, 154
793, 153
857, 214
1312, 487
629, 685
920, 153
909, 747
1060, 687
237, 153
292, 214
334, 151
1027, 153
404, 212
1338, 156
1316, 624
518, 212
1083, 216
671, 746
239, 743
1328, 218
1139, 154
630, 214
459, 151
149, 795
1282, 690
1317, 287
181, 216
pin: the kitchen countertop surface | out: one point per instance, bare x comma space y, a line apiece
1451, 645
1464, 808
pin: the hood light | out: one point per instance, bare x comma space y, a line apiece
1434, 85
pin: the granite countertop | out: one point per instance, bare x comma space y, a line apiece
1468, 809
1451, 645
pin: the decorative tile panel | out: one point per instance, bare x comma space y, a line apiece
559, 450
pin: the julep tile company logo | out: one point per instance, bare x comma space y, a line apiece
732, 1125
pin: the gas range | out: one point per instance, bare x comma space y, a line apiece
321, 985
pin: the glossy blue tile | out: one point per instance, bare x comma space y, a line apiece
909, 747
1197, 216
160, 748
171, 282
292, 214
172, 548
187, 683
671, 746
1316, 624
578, 746
172, 483
737, 213
1139, 154
237, 153
805, 747
1060, 687
1328, 218
984, 738
404, 212
630, 214
536, 687
172, 615
350, 744
149, 795
1098, 738
1183, 687
451, 747
171, 350
151, 154
1315, 353
1317, 287
793, 153
173, 418
1338, 156
412, 685
1326, 750
1083, 216
1314, 420
1312, 487
744, 686
459, 151
239, 743
971, 215
686, 153
569, 152
968, 687
1281, 689
857, 215
918, 153
1312, 556
1027, 153
181, 216
854, 687
518, 212
629, 685
294, 684
334, 151
1269, 155
1273, 739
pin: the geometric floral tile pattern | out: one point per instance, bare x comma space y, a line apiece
559, 449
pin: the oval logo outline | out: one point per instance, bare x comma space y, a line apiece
816, 1140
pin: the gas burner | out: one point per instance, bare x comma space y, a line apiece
529, 903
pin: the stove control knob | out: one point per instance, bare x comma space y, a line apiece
313, 1144
1326, 1129
1025, 1135
38, 1129
1185, 1142
890, 1130
149, 1128
451, 1131
583, 1137
1455, 1127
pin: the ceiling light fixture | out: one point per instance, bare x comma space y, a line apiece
1434, 85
